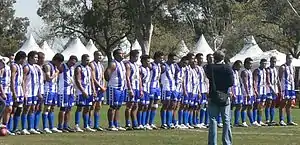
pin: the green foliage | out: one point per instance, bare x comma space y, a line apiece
12, 29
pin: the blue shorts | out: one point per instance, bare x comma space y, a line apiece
9, 100
193, 99
115, 97
155, 94
99, 97
177, 96
166, 95
239, 99
271, 96
145, 100
84, 101
65, 100
135, 98
203, 99
289, 94
261, 98
185, 99
250, 101
50, 98
20, 99
32, 100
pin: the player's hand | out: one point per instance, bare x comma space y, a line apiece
14, 97
4, 97
185, 93
248, 98
40, 96
141, 94
131, 93
256, 93
95, 94
84, 94
103, 89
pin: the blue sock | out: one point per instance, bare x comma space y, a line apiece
197, 118
37, 117
144, 118
236, 116
180, 117
243, 116
16, 122
152, 116
89, 120
51, 120
134, 123
174, 121
202, 115
96, 119
218, 119
30, 121
272, 113
116, 123
194, 117
128, 123
10, 123
163, 117
65, 125
259, 114
250, 116
206, 121
60, 126
139, 117
23, 121
254, 115
281, 117
45, 120
289, 118
110, 124
185, 117
267, 112
85, 120
190, 118
147, 117
170, 117
77, 118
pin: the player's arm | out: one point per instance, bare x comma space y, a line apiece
25, 73
49, 77
13, 69
93, 85
96, 83
244, 77
111, 68
280, 76
255, 81
78, 80
184, 82
1, 86
61, 68
140, 83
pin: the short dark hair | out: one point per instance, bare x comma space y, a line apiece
273, 58
144, 58
218, 56
185, 58
96, 52
116, 51
40, 54
31, 54
170, 55
133, 53
20, 55
158, 54
236, 63
208, 55
199, 54
287, 55
9, 54
84, 56
263, 60
58, 57
73, 57
190, 55
247, 60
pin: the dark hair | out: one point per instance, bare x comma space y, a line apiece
273, 58
9, 54
171, 55
20, 55
198, 55
73, 57
287, 55
247, 60
84, 56
40, 54
185, 58
133, 53
31, 54
263, 60
236, 63
96, 52
190, 55
219, 56
116, 52
144, 58
58, 57
208, 55
158, 54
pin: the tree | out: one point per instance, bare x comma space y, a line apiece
12, 29
106, 22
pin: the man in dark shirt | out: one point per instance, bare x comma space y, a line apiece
220, 75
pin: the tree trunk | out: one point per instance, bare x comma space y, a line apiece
109, 55
145, 39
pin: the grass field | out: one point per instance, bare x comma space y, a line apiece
241, 136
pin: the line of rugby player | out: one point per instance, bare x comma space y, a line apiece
32, 89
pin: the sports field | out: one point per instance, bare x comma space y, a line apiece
241, 136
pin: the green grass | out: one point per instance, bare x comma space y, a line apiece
241, 136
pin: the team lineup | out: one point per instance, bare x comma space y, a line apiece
32, 90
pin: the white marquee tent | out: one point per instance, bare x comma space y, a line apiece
49, 53
90, 46
250, 49
202, 47
182, 49
30, 45
75, 47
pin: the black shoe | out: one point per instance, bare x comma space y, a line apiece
128, 128
164, 127
64, 130
69, 129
